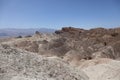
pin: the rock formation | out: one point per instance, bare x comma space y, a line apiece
68, 54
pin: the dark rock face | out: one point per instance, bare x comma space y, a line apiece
70, 30
94, 41
56, 47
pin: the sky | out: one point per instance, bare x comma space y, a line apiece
56, 14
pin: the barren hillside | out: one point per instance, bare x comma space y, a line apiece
68, 54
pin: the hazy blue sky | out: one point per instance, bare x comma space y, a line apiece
59, 13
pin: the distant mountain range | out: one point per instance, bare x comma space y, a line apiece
12, 32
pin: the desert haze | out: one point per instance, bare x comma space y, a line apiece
14, 32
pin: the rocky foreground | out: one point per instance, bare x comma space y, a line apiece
16, 64
68, 54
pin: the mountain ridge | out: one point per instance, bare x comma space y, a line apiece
13, 32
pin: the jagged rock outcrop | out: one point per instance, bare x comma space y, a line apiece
70, 30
